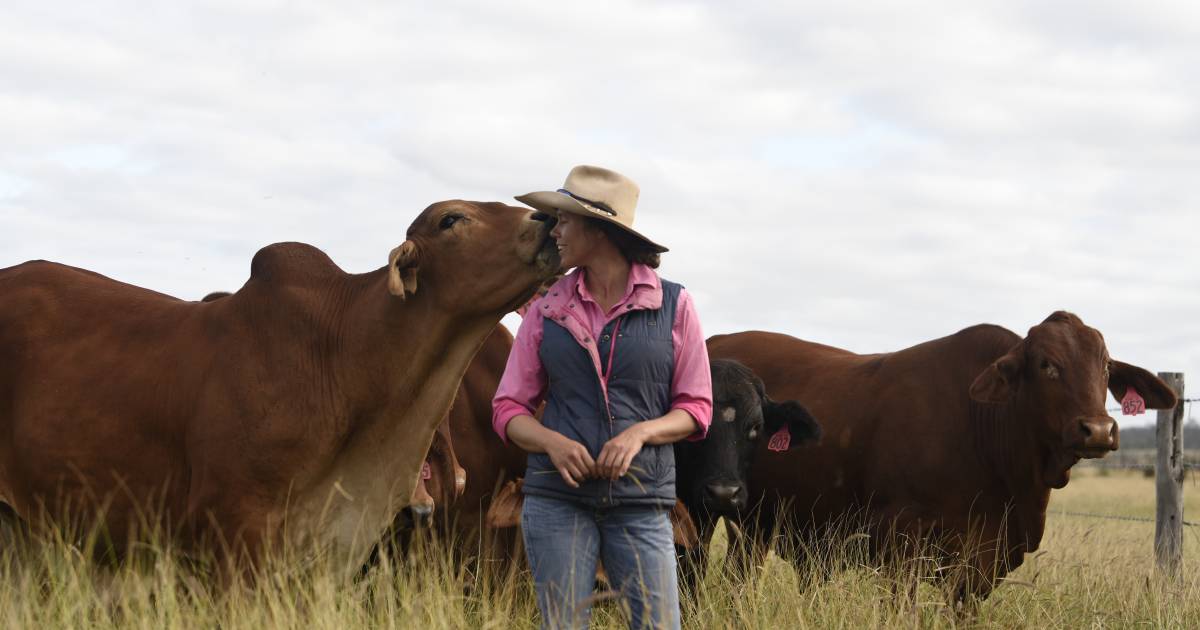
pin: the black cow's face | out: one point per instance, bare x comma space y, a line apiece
713, 472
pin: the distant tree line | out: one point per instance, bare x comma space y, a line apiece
1143, 437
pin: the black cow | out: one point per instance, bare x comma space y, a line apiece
712, 474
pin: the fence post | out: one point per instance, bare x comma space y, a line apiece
1168, 481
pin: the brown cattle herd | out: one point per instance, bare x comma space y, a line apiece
352, 412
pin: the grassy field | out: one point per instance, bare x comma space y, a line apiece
1090, 573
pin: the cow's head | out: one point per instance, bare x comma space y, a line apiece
474, 257
713, 472
1058, 376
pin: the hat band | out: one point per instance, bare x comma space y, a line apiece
603, 207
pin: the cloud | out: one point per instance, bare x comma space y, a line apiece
869, 176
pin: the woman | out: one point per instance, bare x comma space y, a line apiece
618, 356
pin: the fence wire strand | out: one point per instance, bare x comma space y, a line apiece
1114, 517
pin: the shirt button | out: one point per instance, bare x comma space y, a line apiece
604, 338
628, 306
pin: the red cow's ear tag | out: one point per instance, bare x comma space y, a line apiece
1133, 404
781, 441
426, 471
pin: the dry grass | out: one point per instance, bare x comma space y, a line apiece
1089, 573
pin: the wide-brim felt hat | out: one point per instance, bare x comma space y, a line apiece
595, 192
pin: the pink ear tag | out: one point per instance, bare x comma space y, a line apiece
426, 471
1133, 404
781, 441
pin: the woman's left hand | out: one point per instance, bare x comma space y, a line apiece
618, 453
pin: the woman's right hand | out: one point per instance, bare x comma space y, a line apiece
571, 459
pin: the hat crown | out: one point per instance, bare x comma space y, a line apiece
605, 190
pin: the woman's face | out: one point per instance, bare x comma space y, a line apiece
576, 239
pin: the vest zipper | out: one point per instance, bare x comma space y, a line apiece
612, 350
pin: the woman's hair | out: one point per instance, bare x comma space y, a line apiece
634, 249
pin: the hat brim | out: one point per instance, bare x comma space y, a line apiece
552, 201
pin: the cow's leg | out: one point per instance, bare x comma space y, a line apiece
968, 571
750, 539
14, 535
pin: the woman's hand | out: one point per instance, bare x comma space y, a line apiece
618, 453
571, 459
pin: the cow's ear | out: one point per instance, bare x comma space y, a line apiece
402, 269
505, 510
683, 528
795, 417
1156, 393
998, 382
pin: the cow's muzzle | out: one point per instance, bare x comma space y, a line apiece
724, 497
420, 515
545, 254
1098, 434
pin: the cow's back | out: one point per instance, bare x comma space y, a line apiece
129, 388
82, 364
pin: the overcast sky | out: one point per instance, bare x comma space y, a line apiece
866, 176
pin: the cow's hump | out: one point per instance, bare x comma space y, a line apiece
284, 262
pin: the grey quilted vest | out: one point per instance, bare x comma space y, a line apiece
638, 354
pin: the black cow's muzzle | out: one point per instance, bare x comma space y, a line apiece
724, 497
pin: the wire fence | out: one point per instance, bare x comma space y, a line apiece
1115, 517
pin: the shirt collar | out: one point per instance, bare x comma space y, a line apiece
642, 290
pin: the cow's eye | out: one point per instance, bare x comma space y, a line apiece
448, 221
754, 431
1049, 369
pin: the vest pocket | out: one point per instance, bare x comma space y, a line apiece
645, 468
538, 463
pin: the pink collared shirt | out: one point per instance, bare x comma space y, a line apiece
523, 386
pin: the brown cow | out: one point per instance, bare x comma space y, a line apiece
955, 442
299, 408
441, 482
488, 461
481, 463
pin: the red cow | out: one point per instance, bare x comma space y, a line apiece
956, 441
298, 409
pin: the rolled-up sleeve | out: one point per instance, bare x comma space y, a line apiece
691, 385
523, 384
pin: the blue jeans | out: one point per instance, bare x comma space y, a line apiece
564, 540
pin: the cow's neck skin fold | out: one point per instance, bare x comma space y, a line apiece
1002, 437
397, 380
